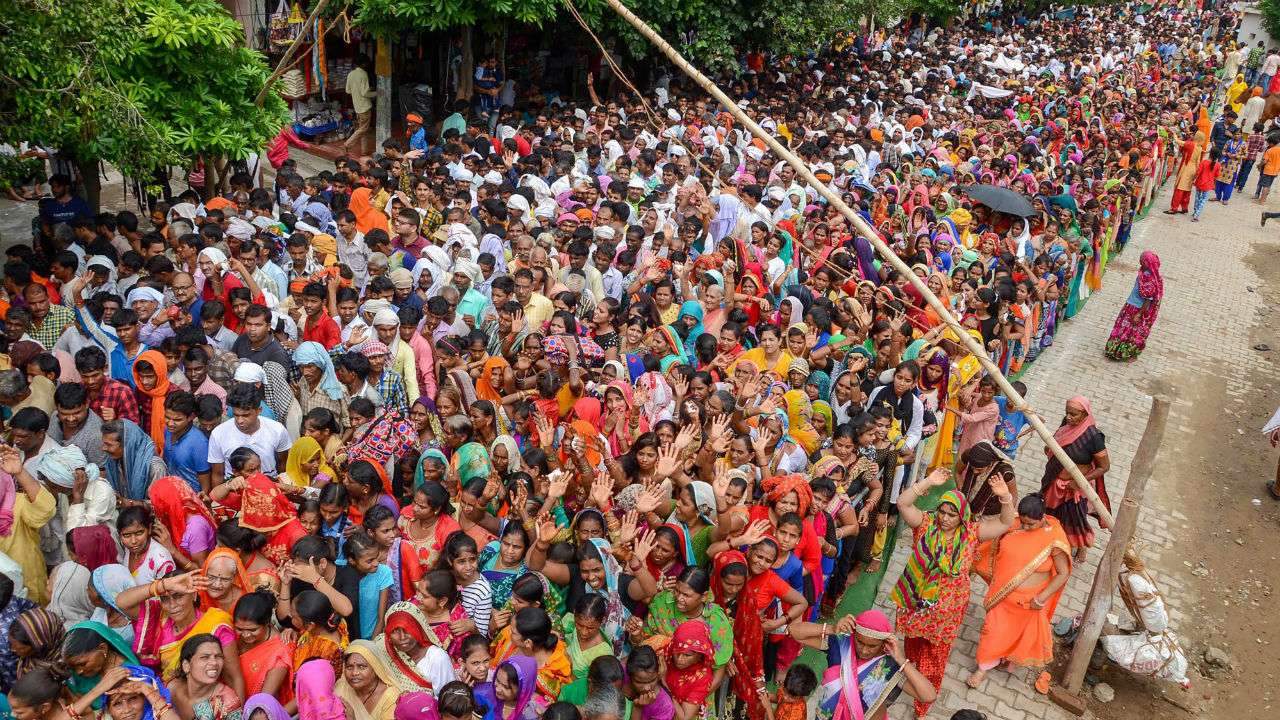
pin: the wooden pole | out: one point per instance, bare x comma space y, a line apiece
1095, 614
866, 231
285, 62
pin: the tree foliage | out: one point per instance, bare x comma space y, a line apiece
1270, 10
385, 18
137, 83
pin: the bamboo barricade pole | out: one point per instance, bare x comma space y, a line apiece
1104, 580
885, 251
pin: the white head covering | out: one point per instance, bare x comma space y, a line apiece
385, 318
468, 268
143, 293
374, 307
216, 257
250, 373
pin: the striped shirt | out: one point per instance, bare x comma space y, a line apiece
477, 600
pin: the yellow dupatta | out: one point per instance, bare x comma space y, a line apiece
302, 451
170, 653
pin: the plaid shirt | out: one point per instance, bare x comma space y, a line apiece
431, 220
119, 397
391, 387
55, 322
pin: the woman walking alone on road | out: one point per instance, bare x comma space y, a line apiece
1138, 315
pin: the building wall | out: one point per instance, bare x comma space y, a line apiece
1251, 30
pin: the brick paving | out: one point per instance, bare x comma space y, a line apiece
1179, 351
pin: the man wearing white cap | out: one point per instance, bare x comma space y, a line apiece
473, 303
400, 358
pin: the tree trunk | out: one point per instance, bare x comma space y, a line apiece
466, 69
92, 183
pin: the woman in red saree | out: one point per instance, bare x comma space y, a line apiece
265, 509
690, 667
728, 580
185, 517
1032, 564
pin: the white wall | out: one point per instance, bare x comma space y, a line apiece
1251, 30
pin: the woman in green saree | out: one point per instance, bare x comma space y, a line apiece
91, 649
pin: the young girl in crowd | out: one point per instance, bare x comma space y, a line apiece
365, 557
146, 558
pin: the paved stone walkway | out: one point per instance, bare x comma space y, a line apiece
1196, 284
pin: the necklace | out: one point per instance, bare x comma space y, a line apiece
365, 698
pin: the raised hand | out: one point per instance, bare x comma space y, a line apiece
559, 486
644, 545
601, 490
684, 437
630, 527
186, 583
998, 486
720, 483
681, 386
668, 460
938, 477
754, 533
546, 529
649, 500
10, 460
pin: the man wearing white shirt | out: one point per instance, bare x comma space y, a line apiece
352, 250
264, 436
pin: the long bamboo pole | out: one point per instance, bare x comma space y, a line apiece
866, 231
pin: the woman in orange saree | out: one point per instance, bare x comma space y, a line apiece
1031, 566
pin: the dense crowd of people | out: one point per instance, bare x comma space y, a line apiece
600, 413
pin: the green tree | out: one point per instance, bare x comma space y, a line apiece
137, 83
1270, 10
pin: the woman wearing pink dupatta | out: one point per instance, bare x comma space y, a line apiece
866, 667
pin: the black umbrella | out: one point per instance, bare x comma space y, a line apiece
1001, 199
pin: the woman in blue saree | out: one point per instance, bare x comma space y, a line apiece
866, 667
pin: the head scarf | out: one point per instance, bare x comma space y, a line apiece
216, 257
313, 353
485, 389
266, 703
302, 451
143, 293
589, 410
936, 554
263, 507
131, 475
693, 309
155, 426
373, 348
1149, 285
45, 631
250, 373
515, 463
146, 675
408, 617
111, 580
93, 546
367, 216
616, 616
315, 681
175, 504
417, 706
801, 429
59, 466
327, 246
69, 593
1067, 434
777, 487
377, 659
873, 624
471, 461
691, 684
527, 677
239, 577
